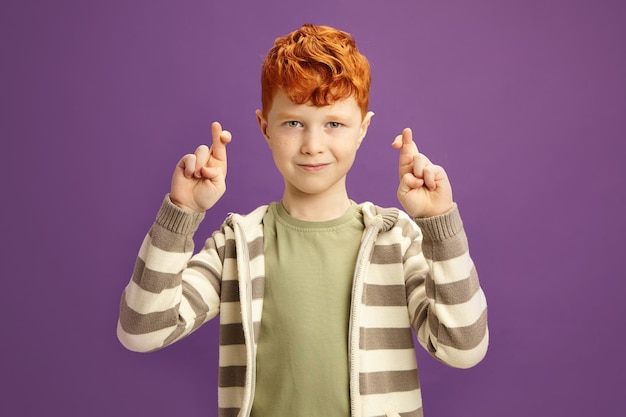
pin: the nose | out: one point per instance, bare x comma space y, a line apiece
313, 142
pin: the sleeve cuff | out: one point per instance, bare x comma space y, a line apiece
177, 220
443, 226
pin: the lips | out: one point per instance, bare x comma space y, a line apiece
313, 167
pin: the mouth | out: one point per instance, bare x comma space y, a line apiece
313, 167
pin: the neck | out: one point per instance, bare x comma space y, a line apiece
316, 207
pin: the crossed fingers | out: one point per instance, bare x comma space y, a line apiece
417, 166
195, 164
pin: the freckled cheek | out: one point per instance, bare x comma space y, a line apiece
284, 151
346, 151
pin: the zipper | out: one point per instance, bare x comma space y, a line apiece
353, 336
248, 325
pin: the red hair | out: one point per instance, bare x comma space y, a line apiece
318, 65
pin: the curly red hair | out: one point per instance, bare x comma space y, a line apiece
318, 65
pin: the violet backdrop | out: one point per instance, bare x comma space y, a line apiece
523, 102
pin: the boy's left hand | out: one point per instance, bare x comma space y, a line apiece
424, 189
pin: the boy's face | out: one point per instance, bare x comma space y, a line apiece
313, 147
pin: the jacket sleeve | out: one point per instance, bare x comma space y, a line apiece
171, 293
447, 306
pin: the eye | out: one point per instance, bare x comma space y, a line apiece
334, 125
293, 123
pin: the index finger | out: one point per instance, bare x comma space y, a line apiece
408, 146
218, 145
408, 150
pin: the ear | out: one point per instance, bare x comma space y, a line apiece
364, 125
262, 124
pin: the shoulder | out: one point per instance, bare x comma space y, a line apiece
253, 218
389, 218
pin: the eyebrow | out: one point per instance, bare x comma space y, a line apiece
293, 116
286, 116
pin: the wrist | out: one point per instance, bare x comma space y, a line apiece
441, 226
177, 219
192, 209
433, 213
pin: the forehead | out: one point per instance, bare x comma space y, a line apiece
281, 105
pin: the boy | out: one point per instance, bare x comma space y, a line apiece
317, 295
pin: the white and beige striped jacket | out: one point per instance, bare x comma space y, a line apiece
406, 277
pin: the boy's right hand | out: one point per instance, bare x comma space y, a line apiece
198, 181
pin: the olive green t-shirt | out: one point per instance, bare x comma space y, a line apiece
302, 359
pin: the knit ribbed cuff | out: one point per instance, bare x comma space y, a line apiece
177, 220
441, 227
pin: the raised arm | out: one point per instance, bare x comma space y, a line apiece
171, 294
447, 305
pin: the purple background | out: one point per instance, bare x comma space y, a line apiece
522, 101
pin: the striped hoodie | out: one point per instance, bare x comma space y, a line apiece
408, 276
